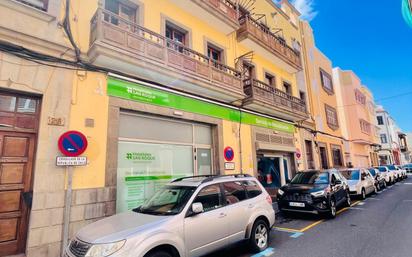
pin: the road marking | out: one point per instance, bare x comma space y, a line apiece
296, 235
407, 183
361, 203
357, 208
407, 200
376, 199
290, 230
311, 225
267, 252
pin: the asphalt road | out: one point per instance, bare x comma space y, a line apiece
380, 226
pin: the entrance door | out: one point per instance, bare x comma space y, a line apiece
323, 157
16, 163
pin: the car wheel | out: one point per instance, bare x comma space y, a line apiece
363, 194
159, 254
384, 184
375, 190
332, 209
259, 238
378, 188
348, 200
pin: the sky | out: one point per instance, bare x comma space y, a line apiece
371, 38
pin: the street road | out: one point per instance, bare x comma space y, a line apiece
380, 226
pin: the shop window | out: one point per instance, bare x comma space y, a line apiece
337, 156
380, 120
331, 117
287, 88
326, 81
234, 192
270, 80
210, 197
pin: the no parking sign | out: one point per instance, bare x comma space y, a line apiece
72, 143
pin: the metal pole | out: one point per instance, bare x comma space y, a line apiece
67, 207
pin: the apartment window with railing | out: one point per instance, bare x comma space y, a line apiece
331, 117
360, 97
287, 88
270, 80
365, 127
38, 4
177, 36
326, 81
384, 139
214, 53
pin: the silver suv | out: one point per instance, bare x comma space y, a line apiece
188, 217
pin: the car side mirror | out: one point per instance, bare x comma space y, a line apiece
197, 208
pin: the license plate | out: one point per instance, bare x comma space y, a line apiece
297, 204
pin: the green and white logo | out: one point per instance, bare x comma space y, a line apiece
407, 11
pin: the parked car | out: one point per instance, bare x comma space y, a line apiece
396, 172
316, 192
408, 167
389, 176
188, 217
380, 182
402, 171
361, 182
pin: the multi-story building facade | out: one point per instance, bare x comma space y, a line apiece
161, 89
394, 144
324, 149
356, 113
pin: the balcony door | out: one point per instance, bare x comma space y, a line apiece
248, 70
125, 11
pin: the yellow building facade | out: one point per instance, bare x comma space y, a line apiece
164, 89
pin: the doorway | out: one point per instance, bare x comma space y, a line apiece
274, 170
323, 152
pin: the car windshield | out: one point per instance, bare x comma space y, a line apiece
311, 178
391, 167
373, 172
382, 169
169, 200
351, 174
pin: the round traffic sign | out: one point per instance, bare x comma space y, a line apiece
298, 153
72, 143
229, 154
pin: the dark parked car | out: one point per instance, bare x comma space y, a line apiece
317, 192
408, 167
380, 182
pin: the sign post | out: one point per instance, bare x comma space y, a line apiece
71, 144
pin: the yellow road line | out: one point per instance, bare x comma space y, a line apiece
315, 223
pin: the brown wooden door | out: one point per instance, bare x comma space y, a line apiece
16, 165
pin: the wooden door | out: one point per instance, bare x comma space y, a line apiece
16, 165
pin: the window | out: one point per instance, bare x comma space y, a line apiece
123, 10
252, 188
270, 80
302, 96
176, 34
326, 81
384, 139
287, 88
360, 97
210, 197
214, 53
337, 156
365, 126
331, 117
234, 192
38, 4
309, 154
248, 70
380, 120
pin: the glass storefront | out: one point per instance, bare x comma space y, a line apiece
274, 170
152, 151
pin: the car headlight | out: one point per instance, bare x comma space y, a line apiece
100, 250
280, 192
318, 193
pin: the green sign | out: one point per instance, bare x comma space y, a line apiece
140, 93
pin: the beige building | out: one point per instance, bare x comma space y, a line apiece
357, 116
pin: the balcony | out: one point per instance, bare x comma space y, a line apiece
267, 99
259, 37
220, 14
124, 46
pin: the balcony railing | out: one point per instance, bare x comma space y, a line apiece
147, 45
262, 35
224, 7
260, 91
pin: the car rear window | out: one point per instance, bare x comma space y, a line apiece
382, 169
234, 192
252, 188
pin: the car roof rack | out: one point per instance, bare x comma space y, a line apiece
208, 178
